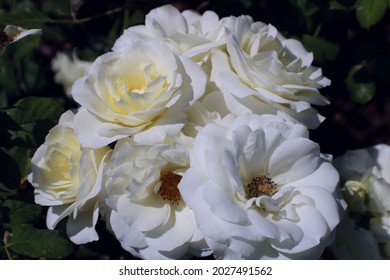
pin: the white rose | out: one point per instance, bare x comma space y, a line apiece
67, 178
262, 72
186, 33
197, 117
146, 211
140, 91
365, 174
380, 226
67, 71
380, 185
371, 167
260, 189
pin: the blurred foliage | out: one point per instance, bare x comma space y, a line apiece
349, 39
369, 12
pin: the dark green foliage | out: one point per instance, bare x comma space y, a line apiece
369, 12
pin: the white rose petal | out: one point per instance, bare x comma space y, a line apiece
380, 226
146, 212
186, 33
67, 178
369, 167
262, 72
366, 187
260, 189
131, 91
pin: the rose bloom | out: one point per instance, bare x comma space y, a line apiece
368, 168
365, 174
67, 178
252, 68
186, 32
262, 72
260, 189
67, 71
145, 210
190, 34
380, 227
140, 91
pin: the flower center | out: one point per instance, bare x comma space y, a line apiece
169, 187
262, 185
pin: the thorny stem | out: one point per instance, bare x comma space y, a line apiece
125, 19
8, 253
83, 20
6, 237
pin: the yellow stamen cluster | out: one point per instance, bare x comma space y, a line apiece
169, 187
262, 185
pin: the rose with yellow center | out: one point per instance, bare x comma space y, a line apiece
261, 189
146, 211
56, 165
141, 91
67, 177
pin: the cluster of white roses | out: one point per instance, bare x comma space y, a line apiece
191, 140
365, 175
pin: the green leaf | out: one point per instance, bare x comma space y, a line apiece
35, 116
369, 12
246, 3
137, 17
9, 171
22, 17
363, 93
58, 8
39, 243
32, 109
308, 8
323, 49
361, 89
22, 212
335, 5
83, 252
9, 84
29, 241
22, 157
6, 124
